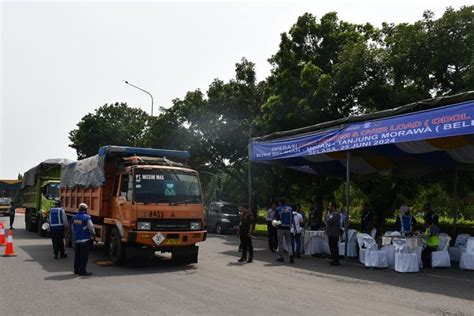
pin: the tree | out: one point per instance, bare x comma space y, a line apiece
114, 124
214, 127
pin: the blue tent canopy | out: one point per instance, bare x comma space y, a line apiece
406, 144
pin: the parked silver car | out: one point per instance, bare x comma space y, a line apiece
222, 217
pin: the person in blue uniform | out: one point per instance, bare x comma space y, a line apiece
57, 224
84, 233
284, 214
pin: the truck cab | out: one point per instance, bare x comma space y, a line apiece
39, 190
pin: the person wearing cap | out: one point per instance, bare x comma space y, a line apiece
57, 224
84, 233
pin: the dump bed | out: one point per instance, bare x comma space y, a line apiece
91, 180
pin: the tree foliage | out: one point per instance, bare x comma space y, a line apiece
114, 124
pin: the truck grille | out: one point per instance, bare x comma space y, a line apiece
172, 224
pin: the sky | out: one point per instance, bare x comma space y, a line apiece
60, 60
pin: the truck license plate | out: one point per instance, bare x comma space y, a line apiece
172, 241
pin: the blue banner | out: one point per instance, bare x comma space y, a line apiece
453, 120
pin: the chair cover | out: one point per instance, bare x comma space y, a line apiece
352, 246
404, 260
360, 241
459, 247
390, 254
373, 257
440, 258
467, 258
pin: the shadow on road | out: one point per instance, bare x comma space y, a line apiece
449, 282
40, 250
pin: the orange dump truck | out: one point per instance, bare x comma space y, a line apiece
141, 200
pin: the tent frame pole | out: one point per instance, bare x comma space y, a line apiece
346, 220
250, 178
455, 201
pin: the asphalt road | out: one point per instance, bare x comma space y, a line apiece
34, 283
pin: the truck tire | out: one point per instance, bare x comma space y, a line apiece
28, 223
116, 248
219, 229
41, 231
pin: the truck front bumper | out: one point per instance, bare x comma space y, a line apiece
171, 239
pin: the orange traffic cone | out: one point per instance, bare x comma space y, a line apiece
2, 234
9, 251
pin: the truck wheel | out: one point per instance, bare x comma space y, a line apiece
28, 224
219, 229
116, 248
41, 231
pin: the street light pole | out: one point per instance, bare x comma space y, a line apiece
143, 91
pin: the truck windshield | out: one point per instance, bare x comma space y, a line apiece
51, 191
167, 186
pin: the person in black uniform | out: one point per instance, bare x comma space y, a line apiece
245, 233
12, 214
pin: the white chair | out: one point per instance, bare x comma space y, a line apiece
405, 261
360, 241
374, 258
390, 254
459, 247
440, 258
467, 258
351, 246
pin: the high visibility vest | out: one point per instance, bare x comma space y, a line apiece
55, 218
81, 231
432, 240
405, 222
285, 213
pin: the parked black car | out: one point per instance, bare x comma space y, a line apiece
222, 217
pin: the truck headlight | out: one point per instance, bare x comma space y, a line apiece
144, 225
195, 225
225, 220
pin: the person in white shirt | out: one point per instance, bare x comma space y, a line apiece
272, 231
296, 229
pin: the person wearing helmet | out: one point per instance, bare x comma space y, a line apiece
84, 233
57, 224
